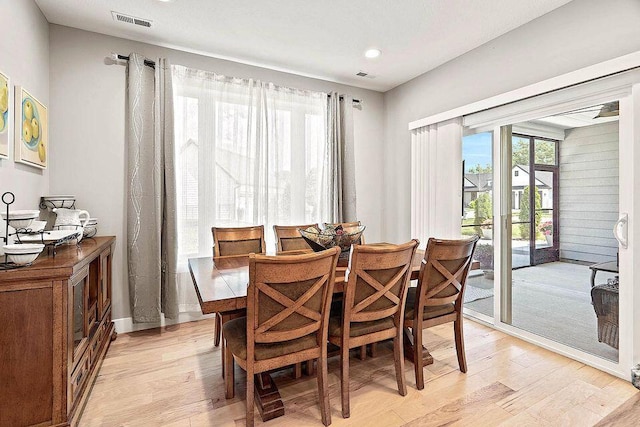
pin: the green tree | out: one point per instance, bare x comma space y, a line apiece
483, 210
525, 209
520, 152
480, 169
545, 152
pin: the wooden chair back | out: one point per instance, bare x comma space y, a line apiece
378, 281
228, 241
289, 297
346, 226
443, 273
288, 238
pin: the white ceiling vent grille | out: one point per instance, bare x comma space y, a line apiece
121, 17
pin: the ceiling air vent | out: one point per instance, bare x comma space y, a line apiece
363, 74
121, 17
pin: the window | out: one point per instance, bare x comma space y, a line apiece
246, 153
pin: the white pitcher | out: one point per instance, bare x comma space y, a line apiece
71, 219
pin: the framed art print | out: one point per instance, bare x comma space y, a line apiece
31, 131
4, 116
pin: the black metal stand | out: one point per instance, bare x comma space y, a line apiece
6, 265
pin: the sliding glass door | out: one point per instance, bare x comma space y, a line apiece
477, 219
562, 208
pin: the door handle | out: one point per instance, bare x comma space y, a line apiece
621, 230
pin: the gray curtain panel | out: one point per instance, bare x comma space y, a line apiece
341, 158
152, 285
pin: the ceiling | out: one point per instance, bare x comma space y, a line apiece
575, 119
323, 39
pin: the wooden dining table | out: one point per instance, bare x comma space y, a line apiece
221, 285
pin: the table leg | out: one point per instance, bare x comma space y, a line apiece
267, 397
408, 349
593, 277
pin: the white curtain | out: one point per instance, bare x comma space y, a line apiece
247, 153
151, 194
436, 180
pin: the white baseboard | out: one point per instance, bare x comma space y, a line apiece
126, 324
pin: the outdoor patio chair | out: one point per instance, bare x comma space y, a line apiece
605, 299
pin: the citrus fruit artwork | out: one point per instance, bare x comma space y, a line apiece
4, 116
31, 130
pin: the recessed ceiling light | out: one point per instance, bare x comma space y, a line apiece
372, 53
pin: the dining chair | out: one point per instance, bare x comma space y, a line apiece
288, 304
238, 240
439, 296
373, 306
234, 241
346, 226
288, 238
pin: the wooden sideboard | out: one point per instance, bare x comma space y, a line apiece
55, 328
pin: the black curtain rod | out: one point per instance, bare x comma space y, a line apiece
356, 101
147, 62
153, 65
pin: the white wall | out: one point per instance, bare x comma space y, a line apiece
24, 57
88, 118
589, 181
581, 33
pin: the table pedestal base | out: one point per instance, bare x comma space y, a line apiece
427, 358
267, 397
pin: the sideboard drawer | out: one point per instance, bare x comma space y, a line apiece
79, 376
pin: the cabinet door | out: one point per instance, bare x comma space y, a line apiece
78, 313
105, 280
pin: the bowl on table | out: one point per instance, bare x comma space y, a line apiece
23, 254
91, 228
330, 236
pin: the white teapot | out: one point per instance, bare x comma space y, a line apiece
71, 219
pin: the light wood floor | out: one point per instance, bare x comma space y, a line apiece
171, 377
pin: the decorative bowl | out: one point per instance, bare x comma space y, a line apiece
90, 230
330, 236
20, 219
23, 254
59, 201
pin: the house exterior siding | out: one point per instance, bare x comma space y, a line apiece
589, 178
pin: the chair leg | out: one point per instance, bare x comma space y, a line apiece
362, 352
297, 371
462, 360
310, 368
217, 332
373, 350
222, 354
323, 392
344, 380
398, 355
229, 377
250, 391
417, 356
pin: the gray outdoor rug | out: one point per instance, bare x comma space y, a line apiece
472, 293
